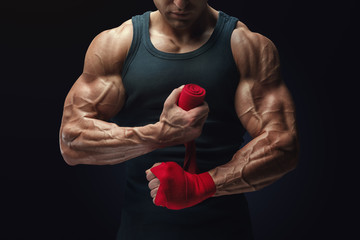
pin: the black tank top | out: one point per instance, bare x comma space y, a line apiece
149, 76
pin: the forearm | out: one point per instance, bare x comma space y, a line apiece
258, 164
85, 139
98, 142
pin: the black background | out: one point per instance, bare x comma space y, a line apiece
43, 44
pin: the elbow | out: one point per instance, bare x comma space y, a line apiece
70, 156
287, 148
69, 161
292, 163
292, 154
294, 159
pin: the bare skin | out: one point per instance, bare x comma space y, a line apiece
263, 103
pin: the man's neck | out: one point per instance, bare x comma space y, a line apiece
201, 28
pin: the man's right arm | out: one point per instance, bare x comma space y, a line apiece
85, 135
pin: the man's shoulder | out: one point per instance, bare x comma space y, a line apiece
252, 51
122, 33
112, 45
242, 36
110, 48
249, 47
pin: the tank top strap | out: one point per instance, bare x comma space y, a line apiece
229, 25
139, 27
223, 31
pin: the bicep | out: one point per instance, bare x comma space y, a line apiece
99, 97
260, 110
99, 92
262, 101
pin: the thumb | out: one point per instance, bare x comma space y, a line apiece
174, 96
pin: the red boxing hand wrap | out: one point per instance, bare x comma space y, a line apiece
179, 189
191, 96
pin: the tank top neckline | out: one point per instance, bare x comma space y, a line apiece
166, 55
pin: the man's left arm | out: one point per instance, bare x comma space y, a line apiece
266, 109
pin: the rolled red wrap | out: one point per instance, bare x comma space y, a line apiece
191, 96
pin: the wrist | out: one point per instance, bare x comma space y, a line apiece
161, 140
150, 135
212, 174
209, 187
165, 134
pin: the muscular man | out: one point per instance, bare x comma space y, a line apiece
133, 76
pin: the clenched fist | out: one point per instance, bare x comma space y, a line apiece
179, 126
173, 188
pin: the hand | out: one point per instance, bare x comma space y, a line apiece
173, 188
179, 126
154, 182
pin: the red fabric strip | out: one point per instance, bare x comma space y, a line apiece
191, 96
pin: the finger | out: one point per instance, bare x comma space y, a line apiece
155, 165
174, 96
155, 183
154, 192
149, 175
202, 110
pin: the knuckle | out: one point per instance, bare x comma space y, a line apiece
156, 164
166, 104
206, 105
198, 132
153, 192
149, 176
154, 183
